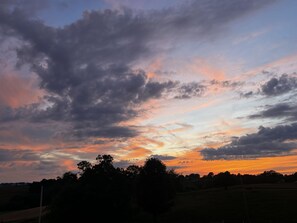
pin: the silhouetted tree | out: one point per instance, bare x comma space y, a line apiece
207, 181
270, 176
192, 181
101, 194
69, 177
84, 166
133, 171
291, 178
225, 180
155, 188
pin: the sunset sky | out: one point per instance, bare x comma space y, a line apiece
205, 85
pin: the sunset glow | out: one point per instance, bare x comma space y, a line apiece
205, 86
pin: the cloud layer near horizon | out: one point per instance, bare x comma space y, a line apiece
88, 83
267, 142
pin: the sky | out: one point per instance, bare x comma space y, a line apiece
205, 85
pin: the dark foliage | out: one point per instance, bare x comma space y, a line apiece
155, 187
103, 193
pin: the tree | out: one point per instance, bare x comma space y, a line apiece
69, 177
133, 171
155, 188
84, 166
225, 179
101, 194
271, 176
104, 163
104, 159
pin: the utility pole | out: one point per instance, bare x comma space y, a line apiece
245, 201
40, 211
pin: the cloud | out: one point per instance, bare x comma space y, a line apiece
280, 110
48, 167
17, 92
28, 171
225, 83
267, 142
198, 89
89, 78
281, 85
9, 155
164, 157
86, 68
200, 66
246, 94
194, 89
109, 132
135, 152
124, 163
29, 6
275, 86
250, 36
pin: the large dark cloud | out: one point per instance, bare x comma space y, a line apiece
85, 68
286, 111
267, 142
275, 86
279, 85
29, 6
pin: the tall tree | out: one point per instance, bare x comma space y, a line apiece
101, 194
155, 188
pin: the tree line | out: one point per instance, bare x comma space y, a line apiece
104, 193
101, 192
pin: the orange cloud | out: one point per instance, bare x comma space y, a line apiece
139, 153
69, 165
146, 141
134, 151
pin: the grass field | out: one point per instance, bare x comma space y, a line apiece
8, 192
255, 203
28, 215
263, 203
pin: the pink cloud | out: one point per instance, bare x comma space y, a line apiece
16, 92
204, 68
